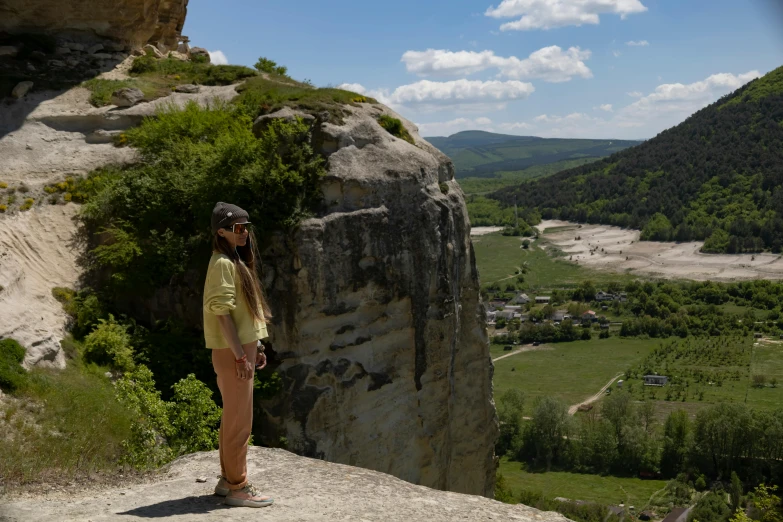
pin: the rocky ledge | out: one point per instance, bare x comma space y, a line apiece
304, 489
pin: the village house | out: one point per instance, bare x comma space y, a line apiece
655, 380
543, 299
521, 299
497, 303
559, 315
604, 296
589, 316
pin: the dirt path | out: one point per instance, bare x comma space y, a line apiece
574, 408
526, 348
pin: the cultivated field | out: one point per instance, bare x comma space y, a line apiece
620, 250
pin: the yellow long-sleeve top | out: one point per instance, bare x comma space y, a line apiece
223, 296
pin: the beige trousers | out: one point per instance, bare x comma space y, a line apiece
237, 419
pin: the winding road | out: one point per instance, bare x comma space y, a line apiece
574, 408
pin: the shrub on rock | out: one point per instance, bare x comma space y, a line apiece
12, 375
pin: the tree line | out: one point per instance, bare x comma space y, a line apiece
623, 437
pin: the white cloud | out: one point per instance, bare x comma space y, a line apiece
516, 125
616, 54
685, 99
426, 95
666, 106
635, 94
550, 64
462, 92
218, 58
640, 43
353, 87
446, 128
548, 14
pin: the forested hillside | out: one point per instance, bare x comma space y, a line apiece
717, 176
486, 154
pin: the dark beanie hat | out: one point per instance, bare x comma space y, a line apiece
224, 213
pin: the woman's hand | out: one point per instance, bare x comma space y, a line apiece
244, 370
260, 361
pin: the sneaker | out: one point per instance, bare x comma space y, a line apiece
247, 497
222, 487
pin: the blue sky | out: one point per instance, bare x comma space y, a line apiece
623, 69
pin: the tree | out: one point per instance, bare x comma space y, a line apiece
735, 492
767, 503
270, 66
548, 429
676, 442
618, 410
659, 228
510, 408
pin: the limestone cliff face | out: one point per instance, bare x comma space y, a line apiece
131, 21
379, 323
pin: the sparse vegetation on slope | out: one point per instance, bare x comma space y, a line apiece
157, 77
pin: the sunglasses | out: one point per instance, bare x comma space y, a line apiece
238, 228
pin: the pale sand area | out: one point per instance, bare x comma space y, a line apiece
620, 250
480, 231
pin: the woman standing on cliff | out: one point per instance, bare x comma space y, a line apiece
235, 314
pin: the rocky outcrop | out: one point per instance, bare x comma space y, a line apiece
132, 21
304, 490
378, 321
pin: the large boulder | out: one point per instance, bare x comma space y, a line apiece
286, 113
133, 21
21, 89
127, 97
378, 321
200, 54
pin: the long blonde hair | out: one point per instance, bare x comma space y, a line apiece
244, 258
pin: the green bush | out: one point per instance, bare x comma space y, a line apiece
269, 66
193, 72
164, 430
199, 58
395, 127
12, 375
143, 64
193, 416
110, 344
84, 308
189, 156
146, 445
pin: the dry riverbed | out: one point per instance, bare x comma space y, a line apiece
612, 248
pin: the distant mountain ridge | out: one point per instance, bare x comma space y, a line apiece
484, 154
717, 176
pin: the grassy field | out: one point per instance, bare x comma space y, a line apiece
498, 257
606, 490
570, 371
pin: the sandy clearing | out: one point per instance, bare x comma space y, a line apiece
616, 249
480, 231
